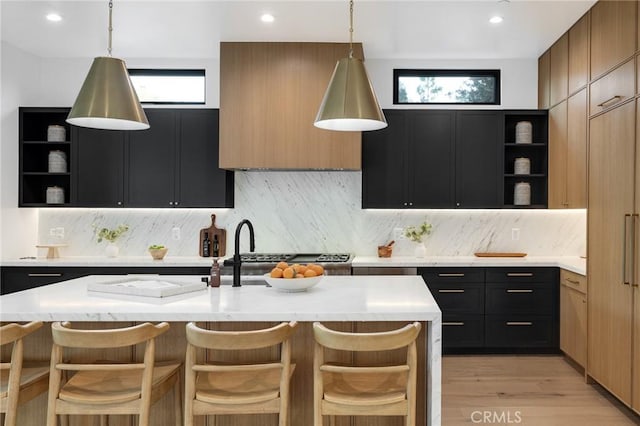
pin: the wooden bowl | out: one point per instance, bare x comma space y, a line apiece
158, 254
385, 251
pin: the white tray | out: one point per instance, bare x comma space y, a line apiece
150, 287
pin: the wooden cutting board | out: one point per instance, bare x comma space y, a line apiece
212, 231
500, 254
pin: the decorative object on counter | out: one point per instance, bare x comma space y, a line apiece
52, 250
107, 99
158, 251
112, 235
416, 234
57, 162
217, 240
522, 166
214, 279
386, 250
292, 285
524, 130
350, 103
499, 254
55, 195
522, 194
56, 133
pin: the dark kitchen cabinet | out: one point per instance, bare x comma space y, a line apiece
175, 162
34, 147
99, 171
434, 159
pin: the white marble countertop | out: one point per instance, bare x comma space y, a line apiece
573, 263
335, 298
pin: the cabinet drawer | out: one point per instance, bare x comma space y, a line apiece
523, 298
521, 275
613, 88
462, 331
449, 275
520, 331
18, 278
459, 298
576, 281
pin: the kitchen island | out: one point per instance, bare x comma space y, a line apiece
360, 304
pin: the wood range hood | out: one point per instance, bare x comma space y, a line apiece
270, 93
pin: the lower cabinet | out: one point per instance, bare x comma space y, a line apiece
18, 278
496, 310
573, 316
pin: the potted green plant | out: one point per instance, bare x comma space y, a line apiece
112, 235
416, 234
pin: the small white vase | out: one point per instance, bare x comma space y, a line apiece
112, 250
420, 250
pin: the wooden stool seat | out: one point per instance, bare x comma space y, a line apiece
217, 388
19, 383
372, 398
112, 387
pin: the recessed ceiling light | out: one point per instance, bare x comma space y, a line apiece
54, 17
496, 19
267, 17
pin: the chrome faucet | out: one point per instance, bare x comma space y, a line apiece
237, 263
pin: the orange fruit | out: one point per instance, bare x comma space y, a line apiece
288, 273
310, 273
282, 265
299, 276
318, 269
276, 273
301, 269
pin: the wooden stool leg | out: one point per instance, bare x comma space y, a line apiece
104, 420
177, 401
64, 420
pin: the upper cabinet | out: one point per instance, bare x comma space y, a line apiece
270, 94
613, 34
543, 80
559, 70
579, 54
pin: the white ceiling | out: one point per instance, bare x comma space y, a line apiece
428, 29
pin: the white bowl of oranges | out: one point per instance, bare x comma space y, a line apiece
294, 278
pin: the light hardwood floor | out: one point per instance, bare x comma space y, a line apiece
524, 390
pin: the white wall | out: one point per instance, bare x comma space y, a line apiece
18, 227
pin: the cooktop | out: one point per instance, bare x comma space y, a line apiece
295, 258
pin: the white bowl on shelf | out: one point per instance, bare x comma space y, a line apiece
292, 285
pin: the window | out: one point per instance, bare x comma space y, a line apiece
446, 87
165, 86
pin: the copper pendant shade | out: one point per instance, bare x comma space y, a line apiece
350, 104
107, 99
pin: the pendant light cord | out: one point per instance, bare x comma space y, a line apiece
110, 25
350, 29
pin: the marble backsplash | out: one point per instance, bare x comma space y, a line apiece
317, 212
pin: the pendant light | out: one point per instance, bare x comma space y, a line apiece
107, 99
350, 104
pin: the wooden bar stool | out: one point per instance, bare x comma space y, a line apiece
221, 388
348, 390
19, 384
109, 388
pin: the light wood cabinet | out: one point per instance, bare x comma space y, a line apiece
559, 70
613, 34
614, 88
636, 348
543, 80
269, 97
568, 153
573, 316
558, 156
579, 54
611, 197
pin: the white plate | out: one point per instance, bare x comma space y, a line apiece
292, 285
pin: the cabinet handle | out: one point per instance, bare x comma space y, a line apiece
574, 282
519, 291
454, 323
119, 203
451, 291
453, 274
175, 203
519, 274
170, 203
45, 275
405, 204
634, 240
410, 203
616, 98
518, 323
625, 279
